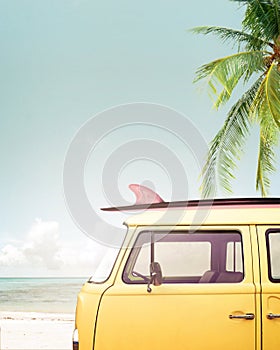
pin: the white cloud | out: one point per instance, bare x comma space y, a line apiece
40, 248
11, 255
42, 252
43, 246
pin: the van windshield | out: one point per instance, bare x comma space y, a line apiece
105, 266
107, 251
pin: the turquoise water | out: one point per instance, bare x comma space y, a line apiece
39, 294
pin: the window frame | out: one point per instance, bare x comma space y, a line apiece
269, 255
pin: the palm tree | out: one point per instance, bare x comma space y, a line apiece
257, 65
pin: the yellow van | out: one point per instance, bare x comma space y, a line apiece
191, 275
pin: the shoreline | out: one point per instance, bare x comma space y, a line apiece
34, 315
36, 330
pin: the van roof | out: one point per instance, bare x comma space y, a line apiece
241, 202
232, 211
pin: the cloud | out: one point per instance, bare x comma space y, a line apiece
43, 246
40, 247
11, 255
43, 252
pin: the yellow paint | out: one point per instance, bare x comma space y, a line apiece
270, 298
86, 312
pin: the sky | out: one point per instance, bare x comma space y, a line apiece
62, 63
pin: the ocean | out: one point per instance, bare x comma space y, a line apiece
56, 295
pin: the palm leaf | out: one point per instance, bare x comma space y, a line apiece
266, 108
227, 145
236, 36
267, 100
223, 74
262, 18
272, 92
276, 7
269, 135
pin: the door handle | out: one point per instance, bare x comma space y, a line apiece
271, 316
245, 316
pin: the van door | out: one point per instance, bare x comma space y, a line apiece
269, 243
206, 300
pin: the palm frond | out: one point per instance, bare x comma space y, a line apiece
272, 92
276, 6
269, 137
227, 145
237, 37
262, 18
223, 74
267, 100
266, 109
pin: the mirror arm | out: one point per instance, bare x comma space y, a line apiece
153, 275
152, 247
149, 289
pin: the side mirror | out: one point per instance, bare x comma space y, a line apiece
156, 275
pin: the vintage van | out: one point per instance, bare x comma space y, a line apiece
191, 275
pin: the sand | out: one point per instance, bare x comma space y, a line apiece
24, 330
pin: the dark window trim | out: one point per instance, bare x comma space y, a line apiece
271, 230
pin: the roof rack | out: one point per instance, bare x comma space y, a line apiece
199, 203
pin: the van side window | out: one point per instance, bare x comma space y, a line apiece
200, 257
273, 250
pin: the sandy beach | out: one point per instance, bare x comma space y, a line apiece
32, 330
